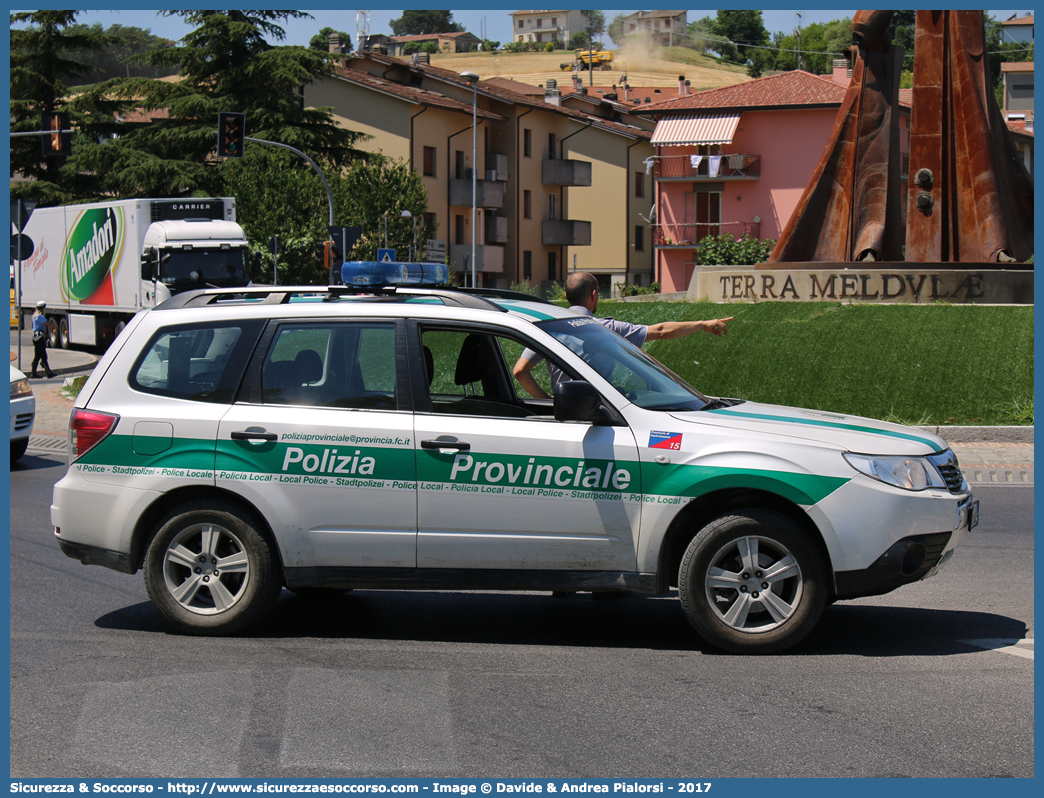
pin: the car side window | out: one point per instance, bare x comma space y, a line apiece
203, 363
344, 365
469, 373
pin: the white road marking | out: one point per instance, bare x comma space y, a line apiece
1017, 648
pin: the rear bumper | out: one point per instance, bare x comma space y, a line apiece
92, 555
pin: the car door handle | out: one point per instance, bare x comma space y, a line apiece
446, 443
254, 434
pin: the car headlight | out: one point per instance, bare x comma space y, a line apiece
908, 473
20, 388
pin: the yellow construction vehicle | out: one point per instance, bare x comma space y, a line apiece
589, 59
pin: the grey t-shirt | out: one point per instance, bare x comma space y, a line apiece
635, 333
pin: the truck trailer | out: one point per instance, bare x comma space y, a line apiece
98, 264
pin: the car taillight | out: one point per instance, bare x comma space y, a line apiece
87, 429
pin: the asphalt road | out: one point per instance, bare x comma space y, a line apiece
934, 680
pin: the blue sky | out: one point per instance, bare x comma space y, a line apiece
495, 22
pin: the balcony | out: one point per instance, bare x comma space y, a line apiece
488, 193
496, 167
566, 172
728, 166
496, 230
565, 233
488, 259
690, 235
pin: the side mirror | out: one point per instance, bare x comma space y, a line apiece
148, 264
576, 400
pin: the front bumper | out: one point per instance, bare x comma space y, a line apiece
910, 559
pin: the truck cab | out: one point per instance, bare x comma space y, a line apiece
183, 254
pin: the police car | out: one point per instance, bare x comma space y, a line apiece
370, 435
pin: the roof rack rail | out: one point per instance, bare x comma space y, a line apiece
281, 295
504, 293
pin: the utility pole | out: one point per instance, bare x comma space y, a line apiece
799, 40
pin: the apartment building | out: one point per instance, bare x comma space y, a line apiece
557, 189
663, 27
547, 26
737, 159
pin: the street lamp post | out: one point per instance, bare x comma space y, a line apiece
473, 79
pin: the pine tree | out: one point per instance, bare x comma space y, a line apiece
226, 64
43, 63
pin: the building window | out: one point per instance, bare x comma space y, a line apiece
521, 23
639, 184
459, 169
552, 145
527, 265
527, 143
552, 206
459, 237
431, 224
552, 266
639, 238
527, 204
429, 162
554, 22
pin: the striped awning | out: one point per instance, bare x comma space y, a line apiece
702, 128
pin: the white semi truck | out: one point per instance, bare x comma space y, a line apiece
96, 265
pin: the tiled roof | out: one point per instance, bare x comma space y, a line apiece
425, 37
653, 14
410, 93
787, 89
1019, 21
491, 89
1017, 66
796, 88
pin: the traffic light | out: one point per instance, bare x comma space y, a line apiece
57, 142
231, 134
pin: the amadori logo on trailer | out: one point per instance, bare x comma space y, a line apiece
91, 250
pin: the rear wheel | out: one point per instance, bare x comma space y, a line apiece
63, 333
753, 582
209, 570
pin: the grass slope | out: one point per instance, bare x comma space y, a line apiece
928, 364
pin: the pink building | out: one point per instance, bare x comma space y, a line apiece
736, 160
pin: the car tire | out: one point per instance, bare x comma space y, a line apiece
18, 448
753, 582
184, 576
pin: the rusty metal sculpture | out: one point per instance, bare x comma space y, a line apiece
851, 208
970, 198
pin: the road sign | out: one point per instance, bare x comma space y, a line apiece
21, 210
436, 250
345, 237
22, 247
386, 255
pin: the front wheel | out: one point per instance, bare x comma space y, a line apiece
753, 582
209, 570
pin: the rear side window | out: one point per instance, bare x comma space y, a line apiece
347, 365
203, 363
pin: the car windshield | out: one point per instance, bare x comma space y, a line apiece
642, 380
194, 268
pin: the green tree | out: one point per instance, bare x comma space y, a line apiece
745, 29
903, 25
418, 21
615, 30
703, 39
117, 59
43, 64
321, 40
226, 65
266, 179
595, 22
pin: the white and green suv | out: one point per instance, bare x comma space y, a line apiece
233, 444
